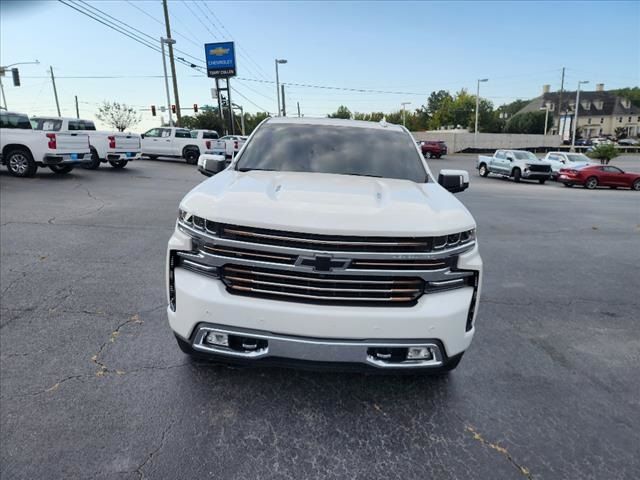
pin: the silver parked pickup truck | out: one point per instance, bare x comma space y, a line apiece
516, 164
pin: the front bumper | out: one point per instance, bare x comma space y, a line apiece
322, 333
529, 175
128, 156
66, 159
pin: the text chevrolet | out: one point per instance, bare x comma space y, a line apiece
325, 243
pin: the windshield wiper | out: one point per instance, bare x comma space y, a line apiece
362, 175
249, 169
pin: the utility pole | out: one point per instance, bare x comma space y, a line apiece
560, 106
232, 129
298, 109
172, 62
475, 131
55, 91
77, 109
166, 80
575, 115
404, 112
284, 105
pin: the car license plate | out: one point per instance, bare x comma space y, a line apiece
74, 156
563, 176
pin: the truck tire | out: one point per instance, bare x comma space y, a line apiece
191, 154
95, 161
61, 169
483, 171
516, 174
118, 164
20, 163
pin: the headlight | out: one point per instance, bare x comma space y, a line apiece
195, 222
184, 217
454, 239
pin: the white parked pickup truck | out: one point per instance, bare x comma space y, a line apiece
23, 149
516, 164
559, 160
325, 242
228, 146
117, 148
173, 142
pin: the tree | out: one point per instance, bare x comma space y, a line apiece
604, 152
530, 122
633, 94
342, 112
437, 100
118, 115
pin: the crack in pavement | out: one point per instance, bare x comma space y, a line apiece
103, 369
153, 453
503, 451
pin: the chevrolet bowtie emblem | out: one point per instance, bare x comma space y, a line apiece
323, 263
219, 51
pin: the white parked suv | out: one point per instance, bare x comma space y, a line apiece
325, 243
23, 149
173, 142
117, 148
516, 164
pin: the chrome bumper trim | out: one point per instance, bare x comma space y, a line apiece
318, 350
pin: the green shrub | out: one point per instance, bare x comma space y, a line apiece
604, 152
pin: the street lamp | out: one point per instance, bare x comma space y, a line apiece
546, 117
278, 61
403, 112
4, 69
168, 41
575, 115
475, 132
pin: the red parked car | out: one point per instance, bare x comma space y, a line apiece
433, 148
592, 176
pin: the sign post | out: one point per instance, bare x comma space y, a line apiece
221, 64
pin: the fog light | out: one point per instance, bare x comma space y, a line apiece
215, 338
419, 353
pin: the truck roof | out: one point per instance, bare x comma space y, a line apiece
337, 122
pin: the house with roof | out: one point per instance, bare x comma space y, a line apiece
599, 113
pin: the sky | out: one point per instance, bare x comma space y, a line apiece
405, 49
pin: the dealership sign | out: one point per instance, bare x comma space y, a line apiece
221, 59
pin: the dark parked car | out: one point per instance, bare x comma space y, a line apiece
592, 176
433, 148
583, 142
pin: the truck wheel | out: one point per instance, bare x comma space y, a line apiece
118, 163
516, 174
482, 170
591, 183
20, 163
95, 161
61, 169
191, 155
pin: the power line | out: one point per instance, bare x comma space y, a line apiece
250, 101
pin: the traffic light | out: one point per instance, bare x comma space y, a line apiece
195, 108
173, 108
16, 77
153, 110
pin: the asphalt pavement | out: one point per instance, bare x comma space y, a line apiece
93, 385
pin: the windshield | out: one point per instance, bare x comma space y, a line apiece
525, 156
577, 158
333, 149
47, 124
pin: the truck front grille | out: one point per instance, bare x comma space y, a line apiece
540, 168
321, 288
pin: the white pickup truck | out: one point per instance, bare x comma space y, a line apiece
516, 164
117, 148
173, 142
326, 242
559, 160
228, 146
23, 149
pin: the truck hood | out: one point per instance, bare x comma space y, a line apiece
328, 203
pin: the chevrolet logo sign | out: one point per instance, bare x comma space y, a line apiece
219, 51
323, 263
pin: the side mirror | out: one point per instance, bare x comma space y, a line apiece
209, 165
454, 180
142, 135
510, 158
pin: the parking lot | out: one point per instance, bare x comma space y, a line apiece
93, 384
